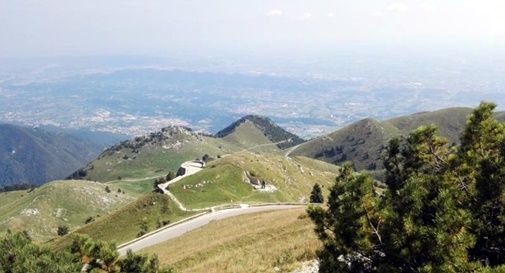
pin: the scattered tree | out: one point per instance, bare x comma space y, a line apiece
107, 189
171, 175
62, 230
316, 196
205, 158
144, 228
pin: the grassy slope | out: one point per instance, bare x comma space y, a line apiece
449, 121
267, 128
123, 224
138, 187
248, 135
155, 160
69, 203
244, 244
224, 180
360, 143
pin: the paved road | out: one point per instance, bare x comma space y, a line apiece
290, 150
191, 168
180, 229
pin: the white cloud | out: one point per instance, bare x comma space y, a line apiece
306, 16
331, 14
397, 7
427, 7
274, 12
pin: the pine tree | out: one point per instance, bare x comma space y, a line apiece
62, 230
316, 196
443, 211
482, 168
349, 228
426, 228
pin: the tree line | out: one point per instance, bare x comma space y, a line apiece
18, 254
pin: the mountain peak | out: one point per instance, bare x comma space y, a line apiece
268, 128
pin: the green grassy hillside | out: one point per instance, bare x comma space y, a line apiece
244, 244
123, 224
246, 134
153, 155
450, 122
363, 142
223, 180
158, 153
57, 203
268, 129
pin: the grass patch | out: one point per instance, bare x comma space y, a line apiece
125, 223
244, 244
57, 203
136, 187
222, 184
155, 159
222, 181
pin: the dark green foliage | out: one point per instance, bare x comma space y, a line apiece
62, 230
103, 256
316, 196
443, 211
144, 228
158, 181
481, 161
206, 158
89, 220
348, 227
19, 255
107, 189
171, 175
138, 263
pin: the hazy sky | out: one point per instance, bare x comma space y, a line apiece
152, 27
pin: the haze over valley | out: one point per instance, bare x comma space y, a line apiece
259, 136
135, 96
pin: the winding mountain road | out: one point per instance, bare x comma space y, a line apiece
191, 167
177, 230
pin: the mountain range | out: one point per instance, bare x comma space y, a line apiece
251, 162
37, 155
